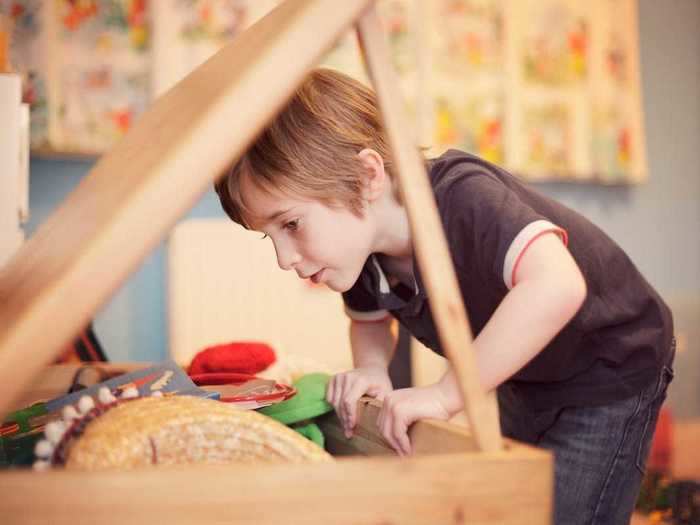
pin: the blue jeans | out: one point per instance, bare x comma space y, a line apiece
599, 452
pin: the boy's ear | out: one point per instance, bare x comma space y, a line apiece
374, 178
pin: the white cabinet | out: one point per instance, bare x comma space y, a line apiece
14, 164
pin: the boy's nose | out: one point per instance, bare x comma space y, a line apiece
287, 259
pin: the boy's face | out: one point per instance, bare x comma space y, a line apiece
325, 244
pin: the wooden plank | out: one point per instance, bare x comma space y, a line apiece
429, 240
359, 445
118, 213
427, 436
366, 440
507, 487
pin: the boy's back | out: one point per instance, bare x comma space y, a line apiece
619, 338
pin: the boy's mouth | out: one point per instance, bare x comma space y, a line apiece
316, 278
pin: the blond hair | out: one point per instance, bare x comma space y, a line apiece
310, 148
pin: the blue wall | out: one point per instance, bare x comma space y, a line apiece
657, 223
132, 325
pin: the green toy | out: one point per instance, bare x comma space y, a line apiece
19, 433
308, 403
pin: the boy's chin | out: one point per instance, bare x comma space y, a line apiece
340, 285
336, 287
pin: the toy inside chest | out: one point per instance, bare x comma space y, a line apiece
447, 481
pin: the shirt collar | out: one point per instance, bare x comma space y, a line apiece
386, 297
384, 287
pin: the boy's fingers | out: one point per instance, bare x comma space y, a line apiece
377, 394
393, 428
401, 437
388, 432
340, 403
354, 393
330, 389
384, 426
380, 418
339, 381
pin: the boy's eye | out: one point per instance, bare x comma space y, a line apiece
291, 225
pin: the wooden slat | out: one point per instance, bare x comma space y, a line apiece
429, 240
427, 436
508, 487
366, 440
359, 445
118, 213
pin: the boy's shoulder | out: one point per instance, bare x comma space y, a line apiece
455, 166
457, 178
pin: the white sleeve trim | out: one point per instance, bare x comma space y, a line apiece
366, 317
521, 242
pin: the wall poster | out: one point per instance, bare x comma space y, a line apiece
549, 89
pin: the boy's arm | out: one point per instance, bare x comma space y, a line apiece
549, 289
373, 345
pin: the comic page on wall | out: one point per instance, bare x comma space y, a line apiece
574, 96
404, 24
187, 32
549, 63
27, 58
99, 69
467, 77
617, 140
549, 89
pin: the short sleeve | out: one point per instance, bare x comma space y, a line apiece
361, 304
488, 225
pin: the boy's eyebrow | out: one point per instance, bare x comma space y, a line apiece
276, 214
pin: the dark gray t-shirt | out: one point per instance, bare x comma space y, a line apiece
610, 350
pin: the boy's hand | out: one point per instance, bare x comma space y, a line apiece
344, 390
403, 407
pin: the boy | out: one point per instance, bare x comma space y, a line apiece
578, 344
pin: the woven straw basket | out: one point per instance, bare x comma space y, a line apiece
185, 430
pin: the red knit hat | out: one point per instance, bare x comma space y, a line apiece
245, 357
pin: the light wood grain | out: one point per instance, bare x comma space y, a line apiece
503, 488
127, 203
429, 240
428, 437
455, 484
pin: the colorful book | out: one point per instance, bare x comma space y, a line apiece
21, 429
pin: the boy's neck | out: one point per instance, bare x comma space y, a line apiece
393, 233
392, 243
